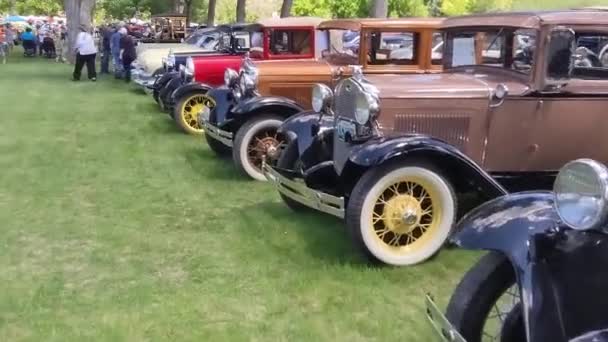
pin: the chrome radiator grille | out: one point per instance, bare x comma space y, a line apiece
450, 127
344, 99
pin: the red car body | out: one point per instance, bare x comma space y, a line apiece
272, 39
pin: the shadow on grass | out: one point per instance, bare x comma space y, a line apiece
325, 237
208, 164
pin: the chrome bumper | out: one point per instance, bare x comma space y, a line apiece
441, 324
216, 133
299, 192
142, 79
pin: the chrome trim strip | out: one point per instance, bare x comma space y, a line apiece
299, 192
442, 326
217, 134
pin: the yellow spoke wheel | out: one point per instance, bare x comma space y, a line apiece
188, 110
401, 214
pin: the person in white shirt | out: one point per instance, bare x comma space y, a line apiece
86, 52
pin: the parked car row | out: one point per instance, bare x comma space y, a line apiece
401, 126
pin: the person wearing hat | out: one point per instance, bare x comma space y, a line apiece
86, 52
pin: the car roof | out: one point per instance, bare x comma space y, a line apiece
232, 27
290, 21
362, 23
531, 20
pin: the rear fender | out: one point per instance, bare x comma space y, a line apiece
461, 170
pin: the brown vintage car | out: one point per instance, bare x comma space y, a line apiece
521, 94
259, 98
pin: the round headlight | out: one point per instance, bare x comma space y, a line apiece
248, 82
321, 97
362, 108
189, 67
581, 194
171, 60
230, 76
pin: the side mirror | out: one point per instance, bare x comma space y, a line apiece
559, 57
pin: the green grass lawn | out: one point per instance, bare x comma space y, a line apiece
117, 227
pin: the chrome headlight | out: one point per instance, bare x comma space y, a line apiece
366, 106
321, 97
171, 60
189, 67
581, 194
230, 77
248, 82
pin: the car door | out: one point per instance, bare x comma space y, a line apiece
574, 123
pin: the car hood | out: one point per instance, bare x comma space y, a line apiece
290, 68
445, 85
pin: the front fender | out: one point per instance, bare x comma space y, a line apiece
188, 88
279, 105
224, 101
164, 79
462, 168
304, 127
505, 224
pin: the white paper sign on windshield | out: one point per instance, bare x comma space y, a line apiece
463, 52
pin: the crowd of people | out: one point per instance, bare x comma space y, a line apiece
112, 43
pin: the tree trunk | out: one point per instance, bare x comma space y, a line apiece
77, 12
240, 11
211, 13
187, 11
379, 8
286, 8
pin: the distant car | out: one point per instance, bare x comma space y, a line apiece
292, 38
150, 57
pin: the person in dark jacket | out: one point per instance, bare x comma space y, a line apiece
128, 52
106, 50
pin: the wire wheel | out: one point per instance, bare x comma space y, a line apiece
190, 109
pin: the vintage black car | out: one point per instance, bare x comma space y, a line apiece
232, 40
545, 276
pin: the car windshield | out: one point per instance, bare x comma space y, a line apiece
202, 37
511, 49
343, 47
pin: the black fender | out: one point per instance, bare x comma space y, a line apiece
164, 79
169, 88
304, 127
220, 115
279, 105
550, 262
189, 88
506, 223
462, 170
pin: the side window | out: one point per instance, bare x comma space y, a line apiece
437, 49
290, 42
398, 48
591, 56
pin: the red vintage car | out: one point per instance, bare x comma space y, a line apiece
271, 39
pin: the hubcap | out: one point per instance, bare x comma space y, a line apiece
264, 146
406, 214
192, 108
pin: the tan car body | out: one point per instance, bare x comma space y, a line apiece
534, 129
295, 79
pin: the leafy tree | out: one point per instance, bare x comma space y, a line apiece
314, 8
349, 8
407, 8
